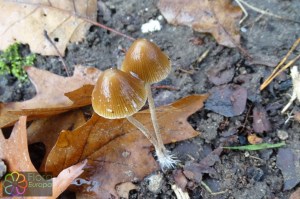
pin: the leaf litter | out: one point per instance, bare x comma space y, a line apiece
14, 151
54, 94
220, 18
116, 151
59, 18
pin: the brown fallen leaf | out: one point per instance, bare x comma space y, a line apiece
14, 151
296, 194
116, 150
47, 130
54, 94
59, 18
124, 188
220, 18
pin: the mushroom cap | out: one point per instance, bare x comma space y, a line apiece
147, 61
118, 94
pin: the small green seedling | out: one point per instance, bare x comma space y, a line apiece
256, 147
11, 62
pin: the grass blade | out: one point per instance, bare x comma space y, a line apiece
256, 146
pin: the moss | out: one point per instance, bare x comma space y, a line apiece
11, 62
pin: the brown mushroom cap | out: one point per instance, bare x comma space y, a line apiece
118, 94
146, 59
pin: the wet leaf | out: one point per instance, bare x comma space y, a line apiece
194, 171
220, 18
59, 18
228, 100
14, 151
54, 94
116, 150
256, 146
288, 162
261, 122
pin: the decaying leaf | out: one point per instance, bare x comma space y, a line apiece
124, 188
59, 18
228, 100
220, 18
116, 150
54, 94
254, 139
261, 122
288, 162
47, 130
194, 171
14, 151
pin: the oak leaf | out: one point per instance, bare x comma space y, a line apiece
25, 22
116, 151
220, 18
54, 94
14, 151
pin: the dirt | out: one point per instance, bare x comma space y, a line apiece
267, 39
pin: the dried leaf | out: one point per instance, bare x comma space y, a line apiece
47, 130
55, 94
59, 18
220, 18
116, 150
261, 122
296, 194
228, 100
14, 151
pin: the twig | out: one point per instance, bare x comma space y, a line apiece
59, 54
263, 11
244, 11
278, 68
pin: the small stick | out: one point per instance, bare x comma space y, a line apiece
277, 70
244, 11
264, 12
59, 54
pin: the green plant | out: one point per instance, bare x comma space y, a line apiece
11, 62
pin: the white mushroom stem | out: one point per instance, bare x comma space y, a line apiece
165, 158
143, 129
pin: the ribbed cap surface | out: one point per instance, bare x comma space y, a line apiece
146, 59
118, 94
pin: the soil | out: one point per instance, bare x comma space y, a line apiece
242, 174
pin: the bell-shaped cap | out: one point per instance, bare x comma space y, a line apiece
147, 61
118, 94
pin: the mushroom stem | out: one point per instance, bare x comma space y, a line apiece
143, 129
153, 116
164, 157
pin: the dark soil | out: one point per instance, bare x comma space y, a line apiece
243, 174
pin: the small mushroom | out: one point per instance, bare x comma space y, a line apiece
120, 95
146, 60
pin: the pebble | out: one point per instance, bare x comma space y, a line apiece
282, 135
2, 168
155, 182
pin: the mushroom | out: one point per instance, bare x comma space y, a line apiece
120, 95
146, 60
